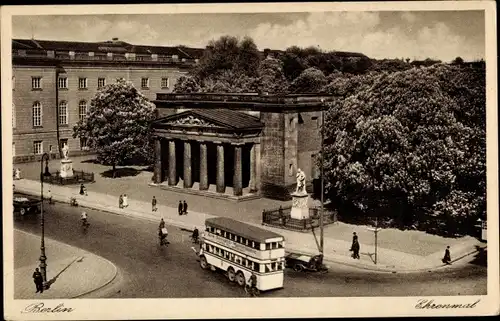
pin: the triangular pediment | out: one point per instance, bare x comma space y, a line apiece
190, 119
215, 119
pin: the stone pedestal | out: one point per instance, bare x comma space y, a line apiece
66, 168
300, 206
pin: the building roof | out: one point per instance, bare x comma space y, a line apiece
248, 231
114, 45
224, 118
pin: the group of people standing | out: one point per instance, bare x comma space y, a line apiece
182, 208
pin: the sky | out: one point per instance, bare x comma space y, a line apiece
442, 35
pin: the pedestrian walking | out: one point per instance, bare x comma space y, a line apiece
153, 205
185, 208
17, 174
38, 279
82, 189
447, 256
49, 196
120, 201
180, 208
355, 246
125, 200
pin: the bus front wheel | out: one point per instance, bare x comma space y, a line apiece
240, 278
203, 263
231, 275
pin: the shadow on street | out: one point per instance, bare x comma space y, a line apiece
481, 257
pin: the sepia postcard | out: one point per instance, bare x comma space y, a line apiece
259, 160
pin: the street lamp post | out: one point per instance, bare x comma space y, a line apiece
375, 231
43, 257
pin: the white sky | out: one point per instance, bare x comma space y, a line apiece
440, 35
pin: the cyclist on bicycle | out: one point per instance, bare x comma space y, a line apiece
252, 281
195, 235
84, 219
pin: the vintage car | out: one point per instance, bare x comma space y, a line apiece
305, 262
25, 204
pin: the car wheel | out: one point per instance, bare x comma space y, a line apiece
298, 268
22, 211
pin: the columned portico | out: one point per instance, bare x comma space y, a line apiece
214, 157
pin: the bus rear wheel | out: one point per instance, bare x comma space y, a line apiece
203, 263
231, 275
240, 278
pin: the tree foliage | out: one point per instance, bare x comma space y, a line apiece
409, 146
311, 80
271, 78
117, 125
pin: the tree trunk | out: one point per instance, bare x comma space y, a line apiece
114, 170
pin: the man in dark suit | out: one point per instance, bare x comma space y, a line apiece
38, 279
185, 208
180, 208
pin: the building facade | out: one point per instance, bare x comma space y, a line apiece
54, 81
237, 146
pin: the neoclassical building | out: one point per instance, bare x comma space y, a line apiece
237, 146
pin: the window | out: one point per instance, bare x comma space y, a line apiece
13, 116
145, 82
38, 147
13, 82
164, 82
13, 149
63, 113
315, 121
101, 82
63, 83
82, 110
82, 83
290, 170
36, 82
37, 114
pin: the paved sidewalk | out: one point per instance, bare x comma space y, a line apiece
73, 272
336, 250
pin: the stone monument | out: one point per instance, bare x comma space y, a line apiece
66, 163
300, 198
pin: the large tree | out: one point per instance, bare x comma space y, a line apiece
117, 125
271, 78
311, 80
410, 146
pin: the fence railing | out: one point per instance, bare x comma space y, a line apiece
77, 178
281, 218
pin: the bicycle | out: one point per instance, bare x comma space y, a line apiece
251, 291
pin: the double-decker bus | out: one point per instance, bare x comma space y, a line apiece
240, 249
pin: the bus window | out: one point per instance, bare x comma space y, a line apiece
267, 269
256, 245
207, 228
218, 232
212, 229
256, 267
280, 245
268, 246
273, 266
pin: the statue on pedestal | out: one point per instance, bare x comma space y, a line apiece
301, 182
65, 151
300, 198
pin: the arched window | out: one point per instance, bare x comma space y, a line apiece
63, 113
82, 110
37, 114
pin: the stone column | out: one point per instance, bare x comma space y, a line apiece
203, 167
253, 182
157, 175
187, 165
172, 169
220, 169
237, 178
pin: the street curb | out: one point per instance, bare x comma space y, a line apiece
115, 268
184, 226
115, 273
